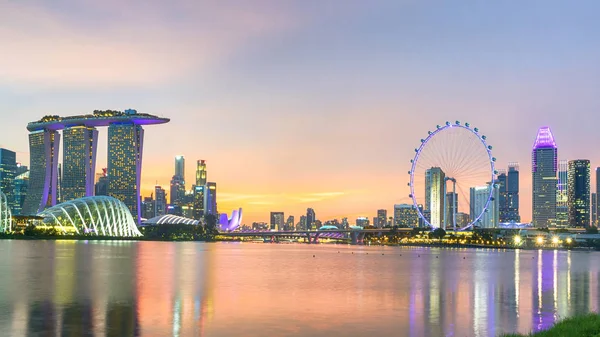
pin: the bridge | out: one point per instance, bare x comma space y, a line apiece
355, 236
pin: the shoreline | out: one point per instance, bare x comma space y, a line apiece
141, 239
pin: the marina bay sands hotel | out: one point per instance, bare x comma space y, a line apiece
80, 140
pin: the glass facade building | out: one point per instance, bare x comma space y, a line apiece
579, 193
544, 181
79, 162
562, 194
8, 172
434, 195
277, 221
125, 144
405, 216
43, 177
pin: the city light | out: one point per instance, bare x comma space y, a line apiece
555, 239
517, 240
539, 240
569, 240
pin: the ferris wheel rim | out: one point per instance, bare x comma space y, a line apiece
415, 160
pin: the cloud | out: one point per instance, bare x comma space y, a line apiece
125, 43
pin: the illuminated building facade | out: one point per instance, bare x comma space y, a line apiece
381, 218
405, 215
597, 192
508, 194
201, 173
478, 198
579, 193
277, 221
434, 195
21, 184
160, 201
125, 144
199, 196
562, 194
544, 187
311, 218
79, 162
210, 204
362, 221
43, 177
8, 172
177, 193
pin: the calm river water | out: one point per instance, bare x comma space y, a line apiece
95, 288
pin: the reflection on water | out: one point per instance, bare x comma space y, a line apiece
96, 288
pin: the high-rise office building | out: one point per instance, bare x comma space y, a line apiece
311, 218
562, 194
79, 162
180, 166
199, 201
148, 208
20, 185
594, 210
43, 176
381, 218
597, 193
201, 173
160, 201
512, 194
451, 209
479, 196
405, 216
277, 221
501, 182
362, 221
289, 223
102, 183
544, 169
177, 192
579, 193
8, 172
434, 195
508, 194
125, 144
210, 204
301, 225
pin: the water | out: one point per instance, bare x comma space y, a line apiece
97, 288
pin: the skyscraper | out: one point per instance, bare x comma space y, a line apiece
8, 172
43, 177
434, 195
201, 173
102, 183
512, 193
478, 198
180, 166
562, 194
160, 201
381, 218
125, 144
199, 201
211, 198
177, 193
501, 181
579, 193
289, 223
277, 221
310, 218
451, 209
594, 210
597, 193
79, 162
544, 168
21, 184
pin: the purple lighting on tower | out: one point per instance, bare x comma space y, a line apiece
232, 223
544, 139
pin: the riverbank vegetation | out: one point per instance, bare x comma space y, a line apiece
578, 326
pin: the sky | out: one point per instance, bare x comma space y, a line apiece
311, 103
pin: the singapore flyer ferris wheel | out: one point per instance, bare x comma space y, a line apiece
452, 178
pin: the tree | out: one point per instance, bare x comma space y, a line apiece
415, 231
210, 226
439, 233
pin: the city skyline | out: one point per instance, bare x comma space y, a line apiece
393, 69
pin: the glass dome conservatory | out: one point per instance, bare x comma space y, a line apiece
100, 215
